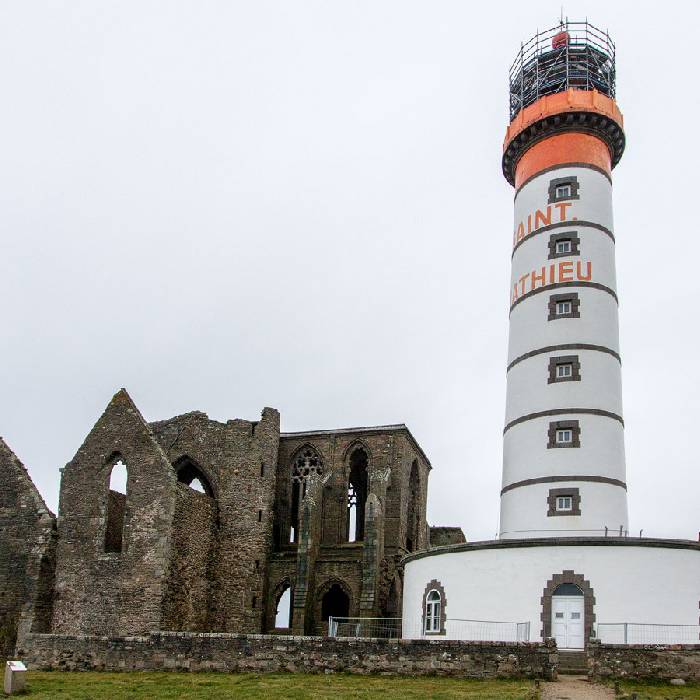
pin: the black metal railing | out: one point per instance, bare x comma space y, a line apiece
571, 55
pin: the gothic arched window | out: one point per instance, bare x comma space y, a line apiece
357, 496
306, 464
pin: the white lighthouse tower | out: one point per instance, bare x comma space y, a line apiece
563, 444
564, 564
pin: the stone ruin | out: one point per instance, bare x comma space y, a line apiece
221, 527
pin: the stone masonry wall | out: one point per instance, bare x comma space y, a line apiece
194, 548
27, 546
270, 653
101, 592
238, 460
367, 571
644, 661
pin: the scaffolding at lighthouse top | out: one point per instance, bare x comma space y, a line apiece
570, 55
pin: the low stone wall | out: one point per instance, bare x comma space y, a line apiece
187, 651
644, 661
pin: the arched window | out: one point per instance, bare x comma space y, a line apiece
433, 606
357, 496
283, 610
306, 464
116, 507
190, 473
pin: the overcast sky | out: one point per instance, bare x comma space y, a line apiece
228, 205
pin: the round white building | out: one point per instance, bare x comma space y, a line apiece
564, 565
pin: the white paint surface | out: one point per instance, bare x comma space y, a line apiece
526, 451
630, 583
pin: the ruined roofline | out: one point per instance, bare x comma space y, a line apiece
205, 416
398, 427
24, 472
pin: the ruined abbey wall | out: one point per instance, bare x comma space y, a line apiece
27, 547
215, 522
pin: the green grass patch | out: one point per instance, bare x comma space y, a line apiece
660, 690
137, 686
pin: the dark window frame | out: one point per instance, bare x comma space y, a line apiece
554, 299
572, 360
435, 585
570, 180
555, 238
572, 493
572, 425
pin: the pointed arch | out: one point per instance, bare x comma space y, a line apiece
283, 604
188, 472
306, 462
358, 487
334, 598
358, 443
117, 483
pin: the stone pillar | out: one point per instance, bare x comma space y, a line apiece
373, 545
307, 552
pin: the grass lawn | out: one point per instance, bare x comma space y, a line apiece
135, 686
661, 690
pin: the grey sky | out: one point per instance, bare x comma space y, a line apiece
228, 205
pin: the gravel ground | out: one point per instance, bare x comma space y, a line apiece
575, 688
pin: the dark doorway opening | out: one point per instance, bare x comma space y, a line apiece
335, 603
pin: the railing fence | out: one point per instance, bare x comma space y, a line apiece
394, 628
646, 633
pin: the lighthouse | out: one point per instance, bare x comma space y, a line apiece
563, 439
564, 565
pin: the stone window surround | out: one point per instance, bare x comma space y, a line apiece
572, 425
575, 306
568, 576
435, 585
558, 182
554, 238
575, 495
572, 360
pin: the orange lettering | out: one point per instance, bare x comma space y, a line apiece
522, 283
551, 274
529, 224
546, 220
562, 209
566, 268
579, 274
542, 278
521, 231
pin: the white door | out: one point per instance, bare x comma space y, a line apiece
567, 621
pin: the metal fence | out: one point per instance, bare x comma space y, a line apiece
644, 633
393, 628
570, 55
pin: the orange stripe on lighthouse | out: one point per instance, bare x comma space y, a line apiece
569, 147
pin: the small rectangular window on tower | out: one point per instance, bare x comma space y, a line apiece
563, 306
565, 368
563, 188
565, 371
565, 436
564, 244
564, 433
564, 501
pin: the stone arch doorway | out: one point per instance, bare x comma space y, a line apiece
334, 603
568, 604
